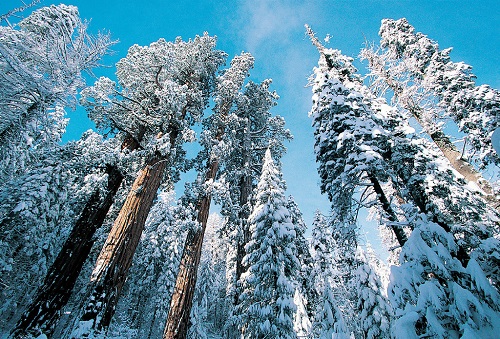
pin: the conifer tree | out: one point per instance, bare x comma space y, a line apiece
216, 147
433, 89
330, 323
269, 283
436, 202
252, 130
372, 309
164, 89
351, 143
42, 59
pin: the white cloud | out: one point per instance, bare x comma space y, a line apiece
264, 21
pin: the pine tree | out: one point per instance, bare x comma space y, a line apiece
330, 323
269, 283
453, 222
434, 295
323, 251
252, 130
372, 308
433, 89
351, 142
41, 61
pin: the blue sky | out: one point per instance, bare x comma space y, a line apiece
273, 31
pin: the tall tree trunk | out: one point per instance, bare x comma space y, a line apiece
43, 312
112, 265
55, 292
182, 299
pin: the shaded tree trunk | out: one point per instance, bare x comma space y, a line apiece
62, 275
56, 290
390, 213
182, 299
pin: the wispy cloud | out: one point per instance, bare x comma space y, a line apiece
264, 21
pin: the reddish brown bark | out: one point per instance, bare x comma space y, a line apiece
182, 299
116, 255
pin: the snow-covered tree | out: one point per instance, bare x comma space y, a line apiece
211, 305
41, 63
372, 309
216, 146
42, 59
427, 189
435, 295
143, 306
330, 322
434, 90
163, 90
324, 254
269, 283
351, 143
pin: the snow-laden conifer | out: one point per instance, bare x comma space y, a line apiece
269, 283
436, 91
372, 309
435, 295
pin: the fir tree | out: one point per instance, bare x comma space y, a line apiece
269, 283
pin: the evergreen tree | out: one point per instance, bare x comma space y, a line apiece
252, 130
41, 60
211, 305
330, 323
216, 146
41, 63
350, 143
269, 283
324, 255
435, 295
164, 89
372, 308
433, 89
429, 190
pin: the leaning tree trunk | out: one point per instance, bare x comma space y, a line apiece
182, 299
56, 290
390, 213
43, 312
112, 265
443, 142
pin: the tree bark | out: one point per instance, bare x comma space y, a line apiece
63, 273
182, 299
55, 292
390, 214
245, 191
112, 265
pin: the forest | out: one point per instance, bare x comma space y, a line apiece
97, 240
